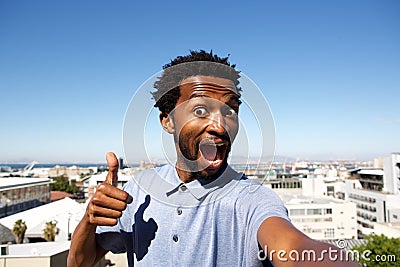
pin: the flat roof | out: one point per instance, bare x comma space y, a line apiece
123, 175
395, 225
66, 212
9, 182
372, 172
37, 249
300, 199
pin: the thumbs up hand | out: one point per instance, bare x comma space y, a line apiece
108, 202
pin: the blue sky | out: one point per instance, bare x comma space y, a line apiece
330, 71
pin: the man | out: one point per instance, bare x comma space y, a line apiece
198, 211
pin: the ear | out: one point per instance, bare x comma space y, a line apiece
167, 122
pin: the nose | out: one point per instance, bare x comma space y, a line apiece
217, 124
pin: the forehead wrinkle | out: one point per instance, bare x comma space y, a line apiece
211, 86
227, 97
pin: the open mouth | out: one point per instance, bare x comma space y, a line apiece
213, 152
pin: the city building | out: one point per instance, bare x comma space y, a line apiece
66, 213
322, 218
73, 172
376, 194
322, 186
391, 230
90, 182
19, 194
48, 254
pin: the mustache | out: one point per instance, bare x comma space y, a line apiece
215, 139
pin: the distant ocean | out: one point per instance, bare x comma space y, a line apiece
15, 166
85, 165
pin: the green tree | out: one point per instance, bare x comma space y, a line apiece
50, 231
19, 230
61, 183
379, 250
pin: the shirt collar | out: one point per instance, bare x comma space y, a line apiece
197, 189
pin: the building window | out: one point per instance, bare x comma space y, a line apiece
297, 212
314, 211
328, 211
329, 233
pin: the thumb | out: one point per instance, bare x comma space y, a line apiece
112, 163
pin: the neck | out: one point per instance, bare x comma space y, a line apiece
187, 176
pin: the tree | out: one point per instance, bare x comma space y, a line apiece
50, 231
19, 230
379, 250
61, 183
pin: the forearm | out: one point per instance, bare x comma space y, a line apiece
84, 251
286, 246
309, 253
315, 253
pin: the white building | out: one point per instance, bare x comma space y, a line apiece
323, 186
376, 194
19, 194
45, 254
90, 182
67, 213
391, 230
124, 175
322, 218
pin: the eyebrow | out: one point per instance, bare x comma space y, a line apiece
194, 95
232, 97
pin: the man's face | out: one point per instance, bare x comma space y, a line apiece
205, 122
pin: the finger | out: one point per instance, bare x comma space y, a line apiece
103, 221
113, 192
109, 202
98, 211
112, 163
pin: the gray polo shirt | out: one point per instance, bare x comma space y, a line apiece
171, 223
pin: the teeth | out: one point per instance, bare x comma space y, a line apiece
211, 144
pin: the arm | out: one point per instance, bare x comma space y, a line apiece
105, 208
277, 234
84, 251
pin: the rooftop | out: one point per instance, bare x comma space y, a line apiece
6, 183
299, 199
57, 195
37, 249
372, 172
66, 212
123, 175
394, 225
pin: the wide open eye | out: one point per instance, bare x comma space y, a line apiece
200, 111
229, 112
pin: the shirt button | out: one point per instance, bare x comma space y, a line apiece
179, 211
175, 238
183, 188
